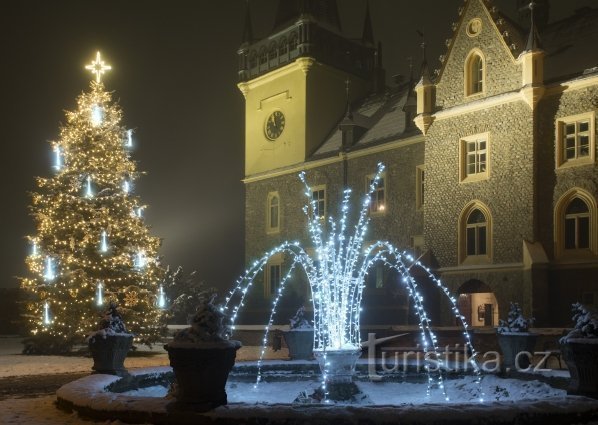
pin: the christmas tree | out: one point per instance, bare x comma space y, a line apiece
92, 245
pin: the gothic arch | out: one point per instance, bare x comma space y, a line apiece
560, 211
464, 217
475, 73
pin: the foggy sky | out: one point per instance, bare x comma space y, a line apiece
174, 72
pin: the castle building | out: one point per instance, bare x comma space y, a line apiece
490, 160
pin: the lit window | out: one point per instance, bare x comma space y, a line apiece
419, 186
378, 201
577, 225
474, 74
575, 140
318, 195
474, 151
273, 213
476, 234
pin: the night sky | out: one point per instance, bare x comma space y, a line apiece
174, 73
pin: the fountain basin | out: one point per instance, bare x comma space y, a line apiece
139, 398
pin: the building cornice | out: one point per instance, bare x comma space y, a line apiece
396, 144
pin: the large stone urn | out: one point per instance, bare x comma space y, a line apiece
110, 344
201, 373
202, 357
515, 348
338, 366
581, 357
109, 353
300, 343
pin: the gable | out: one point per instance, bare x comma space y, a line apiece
479, 29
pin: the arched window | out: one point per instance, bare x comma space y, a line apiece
577, 225
273, 51
282, 47
475, 234
263, 56
253, 59
273, 215
474, 73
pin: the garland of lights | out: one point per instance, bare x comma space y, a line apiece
336, 277
92, 246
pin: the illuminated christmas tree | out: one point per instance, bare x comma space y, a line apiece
92, 245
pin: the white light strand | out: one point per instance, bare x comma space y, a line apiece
100, 293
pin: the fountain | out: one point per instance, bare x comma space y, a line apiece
336, 275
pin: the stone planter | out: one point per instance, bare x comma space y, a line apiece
338, 365
300, 343
582, 361
109, 353
512, 344
201, 374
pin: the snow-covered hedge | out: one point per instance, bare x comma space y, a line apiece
206, 326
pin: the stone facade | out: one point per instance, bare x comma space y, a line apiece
520, 192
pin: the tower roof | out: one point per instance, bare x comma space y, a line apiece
368, 32
248, 29
322, 11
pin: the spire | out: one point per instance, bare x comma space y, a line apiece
533, 39
368, 32
425, 71
323, 11
348, 113
248, 30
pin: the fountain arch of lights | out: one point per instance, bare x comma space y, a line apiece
336, 275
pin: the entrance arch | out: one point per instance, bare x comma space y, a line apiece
477, 303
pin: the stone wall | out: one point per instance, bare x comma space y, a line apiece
503, 74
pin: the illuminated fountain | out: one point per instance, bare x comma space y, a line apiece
336, 275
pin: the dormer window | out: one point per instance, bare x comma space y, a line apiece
474, 73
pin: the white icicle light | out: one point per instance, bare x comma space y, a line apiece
47, 320
88, 189
104, 242
97, 115
161, 298
140, 259
57, 158
50, 273
129, 142
100, 293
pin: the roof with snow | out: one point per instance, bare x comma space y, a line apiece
380, 115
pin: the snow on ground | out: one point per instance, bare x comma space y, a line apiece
13, 363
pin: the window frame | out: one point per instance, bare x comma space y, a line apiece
560, 215
464, 258
275, 261
381, 208
320, 188
468, 74
560, 126
464, 177
270, 229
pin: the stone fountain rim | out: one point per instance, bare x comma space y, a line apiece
89, 398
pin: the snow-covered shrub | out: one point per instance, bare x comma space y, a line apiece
184, 291
515, 322
586, 323
208, 325
298, 321
111, 323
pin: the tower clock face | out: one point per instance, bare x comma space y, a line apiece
274, 125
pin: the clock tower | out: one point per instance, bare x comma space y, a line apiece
294, 82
